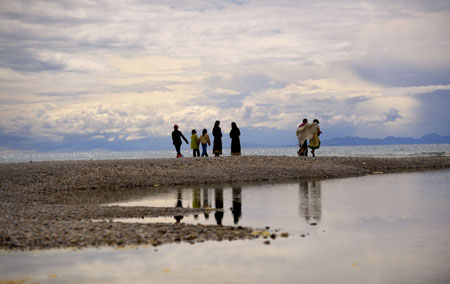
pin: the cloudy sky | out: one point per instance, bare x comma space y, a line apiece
107, 71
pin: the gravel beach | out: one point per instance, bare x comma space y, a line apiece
53, 204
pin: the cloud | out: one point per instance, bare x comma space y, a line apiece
130, 69
392, 115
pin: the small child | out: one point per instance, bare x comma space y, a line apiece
204, 139
194, 143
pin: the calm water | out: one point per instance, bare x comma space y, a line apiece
371, 151
375, 229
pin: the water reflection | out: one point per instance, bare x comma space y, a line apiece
379, 229
237, 204
179, 204
260, 205
218, 194
310, 202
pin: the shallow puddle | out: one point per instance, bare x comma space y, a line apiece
294, 207
374, 229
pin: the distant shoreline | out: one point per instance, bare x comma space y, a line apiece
52, 204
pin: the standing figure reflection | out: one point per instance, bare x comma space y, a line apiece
196, 200
206, 202
179, 204
218, 197
236, 209
310, 202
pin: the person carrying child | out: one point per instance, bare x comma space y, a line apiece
194, 144
204, 140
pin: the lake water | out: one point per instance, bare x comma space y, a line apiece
366, 151
392, 228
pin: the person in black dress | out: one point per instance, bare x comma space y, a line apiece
235, 141
217, 133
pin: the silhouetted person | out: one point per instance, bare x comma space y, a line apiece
176, 140
235, 141
217, 133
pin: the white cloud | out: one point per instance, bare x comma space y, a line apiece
131, 69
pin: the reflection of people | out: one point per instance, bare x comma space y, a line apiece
218, 197
310, 202
204, 140
194, 144
179, 204
314, 142
303, 148
237, 204
235, 141
217, 133
176, 140
196, 199
306, 132
206, 202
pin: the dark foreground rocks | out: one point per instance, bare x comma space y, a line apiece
55, 204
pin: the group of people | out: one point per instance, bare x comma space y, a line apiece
204, 141
308, 131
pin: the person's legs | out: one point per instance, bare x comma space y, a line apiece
196, 152
178, 148
204, 150
304, 151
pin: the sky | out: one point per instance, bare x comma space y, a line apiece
88, 74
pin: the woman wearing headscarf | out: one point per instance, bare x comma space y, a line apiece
217, 144
235, 141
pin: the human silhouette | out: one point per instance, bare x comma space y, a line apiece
217, 144
176, 140
235, 141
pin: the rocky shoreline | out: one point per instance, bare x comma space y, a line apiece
53, 204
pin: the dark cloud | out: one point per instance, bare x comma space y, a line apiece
401, 74
392, 115
356, 100
433, 112
27, 63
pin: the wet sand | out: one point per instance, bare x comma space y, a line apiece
52, 204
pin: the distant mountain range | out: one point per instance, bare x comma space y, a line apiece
390, 140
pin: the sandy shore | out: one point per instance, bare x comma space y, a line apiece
52, 204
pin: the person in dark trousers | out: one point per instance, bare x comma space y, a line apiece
195, 144
235, 141
217, 144
176, 139
303, 151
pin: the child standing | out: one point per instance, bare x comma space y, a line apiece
194, 143
204, 139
